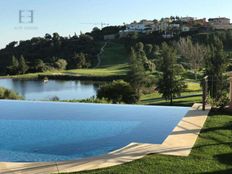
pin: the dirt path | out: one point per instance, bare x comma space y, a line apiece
100, 54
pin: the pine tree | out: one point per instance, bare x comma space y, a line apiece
14, 66
170, 84
136, 74
22, 65
215, 69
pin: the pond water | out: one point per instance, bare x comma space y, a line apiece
38, 90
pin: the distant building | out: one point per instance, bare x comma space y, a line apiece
220, 23
174, 26
200, 22
143, 26
110, 37
187, 19
185, 28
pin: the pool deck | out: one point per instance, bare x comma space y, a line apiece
179, 143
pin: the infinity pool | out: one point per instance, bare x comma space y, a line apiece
43, 131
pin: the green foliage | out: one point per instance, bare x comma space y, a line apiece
114, 54
94, 100
39, 66
170, 84
148, 49
220, 102
13, 67
17, 66
22, 67
215, 69
136, 74
118, 92
46, 49
79, 61
60, 64
8, 94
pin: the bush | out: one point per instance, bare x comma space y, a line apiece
60, 64
118, 92
220, 102
8, 94
89, 100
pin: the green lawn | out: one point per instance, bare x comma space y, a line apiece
114, 54
115, 70
188, 98
212, 154
120, 69
154, 99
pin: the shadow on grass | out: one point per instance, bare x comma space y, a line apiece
227, 126
225, 158
228, 171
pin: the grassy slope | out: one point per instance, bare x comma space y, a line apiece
114, 54
114, 62
120, 69
212, 154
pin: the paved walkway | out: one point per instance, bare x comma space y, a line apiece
179, 143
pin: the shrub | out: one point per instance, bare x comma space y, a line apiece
118, 92
9, 94
220, 102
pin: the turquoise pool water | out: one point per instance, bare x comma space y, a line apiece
43, 131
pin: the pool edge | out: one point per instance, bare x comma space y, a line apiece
179, 143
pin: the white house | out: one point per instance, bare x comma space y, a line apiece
187, 19
220, 23
185, 28
143, 26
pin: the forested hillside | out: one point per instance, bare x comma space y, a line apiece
50, 52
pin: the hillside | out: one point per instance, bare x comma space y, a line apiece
114, 54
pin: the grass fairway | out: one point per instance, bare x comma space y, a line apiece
116, 70
212, 154
187, 99
114, 53
120, 69
191, 95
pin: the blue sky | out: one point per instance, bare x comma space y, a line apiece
67, 16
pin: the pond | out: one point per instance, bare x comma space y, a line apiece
39, 90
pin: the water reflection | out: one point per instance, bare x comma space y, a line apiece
64, 90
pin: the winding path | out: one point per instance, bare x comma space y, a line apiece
100, 54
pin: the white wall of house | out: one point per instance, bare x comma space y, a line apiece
220, 23
185, 29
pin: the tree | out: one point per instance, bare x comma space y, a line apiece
56, 37
215, 69
79, 61
141, 56
170, 84
193, 54
39, 65
60, 64
118, 92
48, 36
148, 50
13, 67
136, 73
22, 67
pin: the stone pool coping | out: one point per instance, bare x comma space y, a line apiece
179, 143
